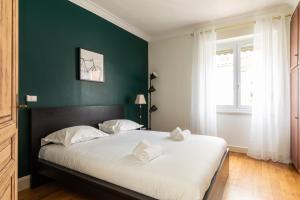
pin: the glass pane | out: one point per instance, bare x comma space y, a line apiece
224, 77
247, 62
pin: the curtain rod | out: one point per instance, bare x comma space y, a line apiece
242, 24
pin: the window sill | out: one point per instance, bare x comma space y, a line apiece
234, 111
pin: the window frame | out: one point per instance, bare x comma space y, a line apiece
236, 44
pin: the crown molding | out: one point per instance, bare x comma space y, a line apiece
105, 14
283, 9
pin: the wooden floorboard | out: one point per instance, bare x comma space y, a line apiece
249, 179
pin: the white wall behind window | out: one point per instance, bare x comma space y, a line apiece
234, 128
172, 60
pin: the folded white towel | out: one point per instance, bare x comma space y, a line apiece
140, 147
150, 153
178, 135
176, 131
146, 152
183, 135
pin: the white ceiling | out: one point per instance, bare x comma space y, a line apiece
155, 17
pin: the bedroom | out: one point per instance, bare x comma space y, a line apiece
149, 99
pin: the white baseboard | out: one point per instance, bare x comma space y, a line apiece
24, 183
238, 149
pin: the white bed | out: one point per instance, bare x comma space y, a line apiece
183, 171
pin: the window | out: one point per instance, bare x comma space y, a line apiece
234, 79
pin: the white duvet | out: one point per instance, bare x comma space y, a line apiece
183, 171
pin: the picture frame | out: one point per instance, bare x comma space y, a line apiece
91, 66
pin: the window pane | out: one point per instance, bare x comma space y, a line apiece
247, 63
224, 77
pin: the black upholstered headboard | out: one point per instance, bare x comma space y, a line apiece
47, 120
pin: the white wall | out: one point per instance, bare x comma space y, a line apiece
172, 60
234, 128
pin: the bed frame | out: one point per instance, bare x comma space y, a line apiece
47, 120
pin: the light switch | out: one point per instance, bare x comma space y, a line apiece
31, 98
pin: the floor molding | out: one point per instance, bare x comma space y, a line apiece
24, 183
238, 149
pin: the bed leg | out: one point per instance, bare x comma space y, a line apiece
37, 180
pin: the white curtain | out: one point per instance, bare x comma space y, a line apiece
270, 130
203, 107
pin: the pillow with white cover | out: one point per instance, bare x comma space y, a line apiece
72, 135
118, 125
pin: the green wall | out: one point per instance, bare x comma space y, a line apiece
51, 31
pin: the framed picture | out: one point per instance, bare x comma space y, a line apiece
91, 66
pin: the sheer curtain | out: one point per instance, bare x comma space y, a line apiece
270, 129
203, 107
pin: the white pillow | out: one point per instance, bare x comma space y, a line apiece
72, 135
118, 125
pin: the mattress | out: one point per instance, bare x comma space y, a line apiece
183, 171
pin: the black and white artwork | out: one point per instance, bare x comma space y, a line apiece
91, 66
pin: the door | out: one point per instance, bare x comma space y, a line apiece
294, 38
294, 115
8, 97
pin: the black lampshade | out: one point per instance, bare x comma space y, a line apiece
153, 108
152, 89
153, 75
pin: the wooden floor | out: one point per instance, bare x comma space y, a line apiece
249, 180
